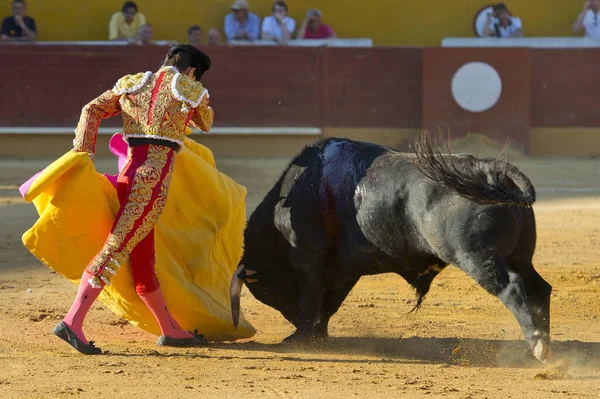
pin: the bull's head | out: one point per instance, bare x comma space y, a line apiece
277, 288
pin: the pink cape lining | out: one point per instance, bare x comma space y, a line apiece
24, 188
118, 146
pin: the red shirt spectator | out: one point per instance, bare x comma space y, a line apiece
324, 31
313, 28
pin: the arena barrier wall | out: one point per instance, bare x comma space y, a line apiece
381, 94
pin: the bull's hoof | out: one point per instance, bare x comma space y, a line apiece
320, 332
299, 338
296, 338
542, 351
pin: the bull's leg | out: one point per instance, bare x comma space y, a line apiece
310, 276
331, 303
495, 276
537, 291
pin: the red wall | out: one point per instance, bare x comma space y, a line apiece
45, 85
565, 87
372, 87
249, 86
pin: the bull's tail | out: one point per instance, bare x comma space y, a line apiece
482, 181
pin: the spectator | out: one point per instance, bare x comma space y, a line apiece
588, 19
241, 24
214, 37
145, 35
500, 23
313, 28
19, 27
125, 24
278, 26
195, 35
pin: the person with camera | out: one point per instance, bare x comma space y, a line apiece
588, 19
500, 23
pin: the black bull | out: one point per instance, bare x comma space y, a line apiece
344, 209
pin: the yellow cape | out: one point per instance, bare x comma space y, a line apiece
199, 238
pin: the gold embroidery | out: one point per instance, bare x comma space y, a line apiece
117, 248
154, 214
104, 106
167, 119
189, 89
169, 114
203, 116
130, 83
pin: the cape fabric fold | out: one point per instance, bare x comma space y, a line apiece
199, 237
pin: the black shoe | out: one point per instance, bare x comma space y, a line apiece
61, 330
196, 340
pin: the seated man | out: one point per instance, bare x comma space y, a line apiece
588, 19
125, 24
214, 37
314, 28
241, 24
278, 26
500, 23
195, 36
19, 27
145, 34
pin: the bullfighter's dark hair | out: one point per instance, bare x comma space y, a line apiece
20, 1
483, 181
185, 56
130, 4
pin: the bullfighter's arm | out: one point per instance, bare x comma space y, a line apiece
104, 106
203, 116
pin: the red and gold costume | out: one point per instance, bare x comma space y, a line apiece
191, 242
156, 108
154, 105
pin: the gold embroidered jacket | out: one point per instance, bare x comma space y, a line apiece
158, 105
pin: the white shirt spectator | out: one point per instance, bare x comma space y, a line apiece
271, 26
506, 31
591, 23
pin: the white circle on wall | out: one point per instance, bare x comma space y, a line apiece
476, 86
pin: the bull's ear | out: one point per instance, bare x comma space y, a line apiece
245, 274
248, 279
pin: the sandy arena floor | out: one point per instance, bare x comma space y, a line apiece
462, 344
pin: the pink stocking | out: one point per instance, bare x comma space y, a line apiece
81, 306
168, 326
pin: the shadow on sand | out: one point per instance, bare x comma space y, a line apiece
461, 351
467, 352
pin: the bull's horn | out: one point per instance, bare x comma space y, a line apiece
235, 291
